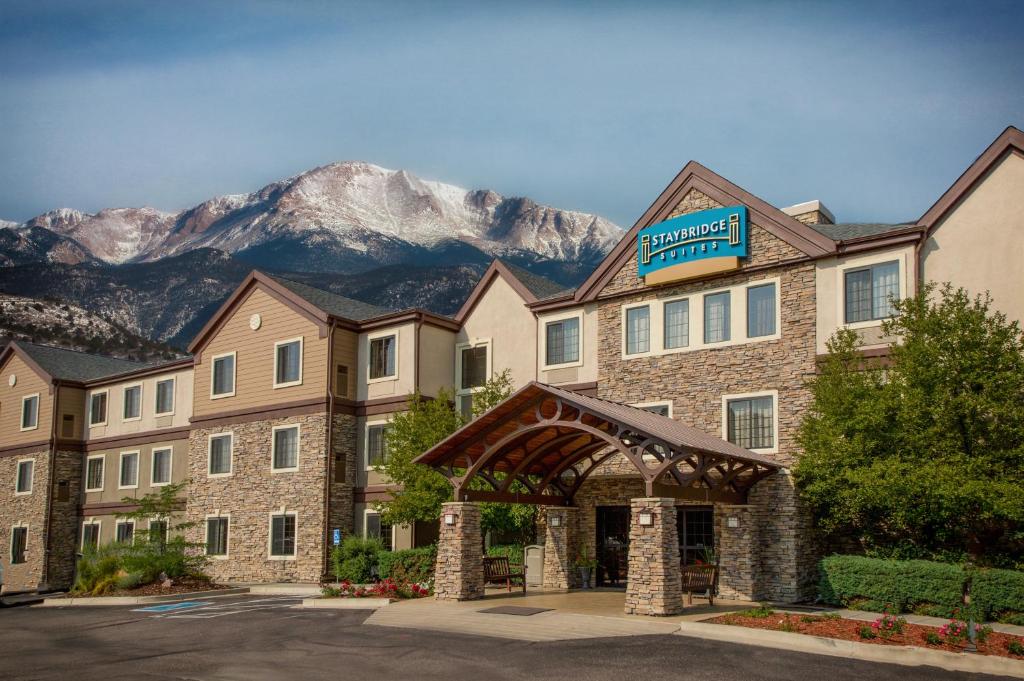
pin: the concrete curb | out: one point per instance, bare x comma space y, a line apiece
138, 600
285, 589
908, 656
346, 603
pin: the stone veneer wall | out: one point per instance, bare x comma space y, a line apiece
342, 506
560, 545
64, 520
739, 552
28, 510
654, 584
252, 493
459, 570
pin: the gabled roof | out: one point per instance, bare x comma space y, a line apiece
695, 176
1010, 141
529, 286
72, 365
332, 303
858, 230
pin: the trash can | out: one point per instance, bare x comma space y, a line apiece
533, 558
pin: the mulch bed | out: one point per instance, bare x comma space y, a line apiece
181, 586
848, 630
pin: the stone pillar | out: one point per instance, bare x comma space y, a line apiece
654, 586
737, 548
459, 573
559, 547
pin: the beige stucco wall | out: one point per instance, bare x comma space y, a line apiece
112, 470
108, 526
404, 381
829, 292
979, 244
437, 359
116, 425
402, 535
28, 383
583, 371
501, 317
365, 475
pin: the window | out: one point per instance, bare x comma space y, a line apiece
282, 535
217, 536
870, 291
382, 357
696, 529
158, 532
677, 324
751, 422
165, 397
129, 470
30, 412
19, 542
90, 535
288, 363
341, 381
222, 383
125, 532
133, 403
466, 406
220, 454
94, 473
98, 408
67, 426
761, 310
376, 445
638, 330
716, 317
562, 342
474, 366
376, 529
161, 474
286, 448
23, 481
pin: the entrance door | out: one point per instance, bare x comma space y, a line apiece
696, 528
612, 545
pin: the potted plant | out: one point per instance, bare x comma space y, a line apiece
585, 564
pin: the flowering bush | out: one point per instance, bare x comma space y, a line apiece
888, 625
387, 588
957, 631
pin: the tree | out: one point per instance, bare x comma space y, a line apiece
163, 549
923, 458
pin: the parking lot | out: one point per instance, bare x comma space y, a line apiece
257, 638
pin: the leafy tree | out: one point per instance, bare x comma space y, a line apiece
156, 552
923, 458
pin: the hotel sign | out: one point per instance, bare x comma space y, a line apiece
692, 245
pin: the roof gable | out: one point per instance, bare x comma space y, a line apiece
54, 363
529, 286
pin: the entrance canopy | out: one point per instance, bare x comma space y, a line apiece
541, 444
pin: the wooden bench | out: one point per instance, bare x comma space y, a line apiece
699, 578
497, 570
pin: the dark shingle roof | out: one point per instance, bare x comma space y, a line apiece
71, 365
332, 303
855, 230
540, 287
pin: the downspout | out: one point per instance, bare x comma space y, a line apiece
416, 356
918, 259
331, 375
49, 484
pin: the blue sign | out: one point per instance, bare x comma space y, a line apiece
337, 536
715, 233
169, 607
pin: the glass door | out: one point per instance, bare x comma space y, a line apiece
696, 528
612, 545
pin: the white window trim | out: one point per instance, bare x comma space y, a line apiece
103, 472
367, 512
10, 544
649, 304
288, 384
21, 416
152, 466
578, 314
689, 323
106, 409
657, 403
231, 454
118, 524
298, 446
174, 395
369, 341
99, 532
120, 468
862, 263
270, 534
234, 374
158, 519
366, 441
124, 402
31, 478
774, 394
206, 535
475, 343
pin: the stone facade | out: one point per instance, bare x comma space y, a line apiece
560, 547
63, 543
739, 552
343, 474
459, 571
25, 511
252, 493
654, 586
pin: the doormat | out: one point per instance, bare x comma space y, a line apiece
513, 610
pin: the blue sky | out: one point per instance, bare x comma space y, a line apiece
873, 108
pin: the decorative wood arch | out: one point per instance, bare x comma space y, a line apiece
548, 441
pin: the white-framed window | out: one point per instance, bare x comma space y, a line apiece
128, 477
218, 529
24, 476
124, 531
383, 357
869, 291
132, 410
751, 420
165, 397
19, 544
94, 472
30, 412
374, 528
98, 408
563, 342
160, 473
663, 408
285, 449
219, 455
288, 362
158, 531
283, 533
762, 311
637, 330
676, 315
376, 444
717, 317
465, 405
473, 364
91, 534
222, 375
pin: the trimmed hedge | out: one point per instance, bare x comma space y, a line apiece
355, 559
998, 593
414, 566
905, 584
514, 552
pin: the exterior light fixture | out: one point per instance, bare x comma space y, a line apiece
449, 518
646, 518
556, 521
733, 521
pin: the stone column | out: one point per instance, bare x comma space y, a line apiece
559, 545
459, 572
654, 586
737, 549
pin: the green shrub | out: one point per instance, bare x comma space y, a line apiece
867, 633
933, 639
176, 558
933, 610
1012, 618
861, 582
410, 566
761, 611
514, 552
355, 559
1015, 648
97, 566
129, 580
994, 592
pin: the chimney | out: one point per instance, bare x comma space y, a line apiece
811, 213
